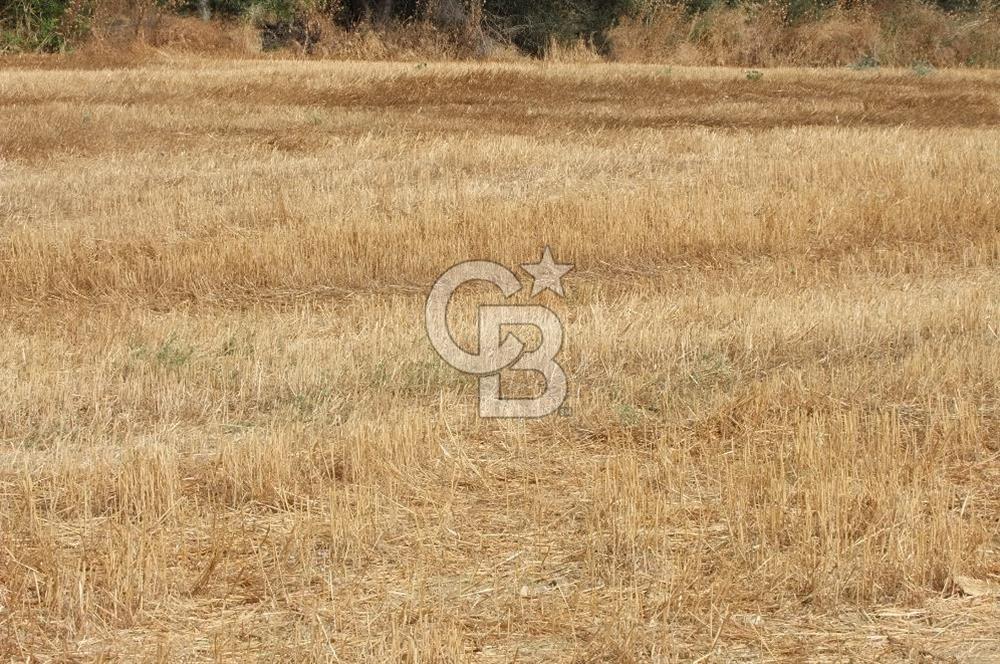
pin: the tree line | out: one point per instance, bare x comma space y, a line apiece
48, 25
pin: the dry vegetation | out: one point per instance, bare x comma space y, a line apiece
900, 34
223, 434
897, 33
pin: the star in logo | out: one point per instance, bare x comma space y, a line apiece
547, 274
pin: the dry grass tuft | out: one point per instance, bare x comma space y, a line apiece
898, 34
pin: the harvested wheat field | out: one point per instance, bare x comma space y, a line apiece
224, 434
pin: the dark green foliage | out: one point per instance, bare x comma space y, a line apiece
40, 25
800, 10
285, 9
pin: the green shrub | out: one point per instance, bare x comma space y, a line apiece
41, 25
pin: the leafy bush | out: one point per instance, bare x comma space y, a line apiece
41, 25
